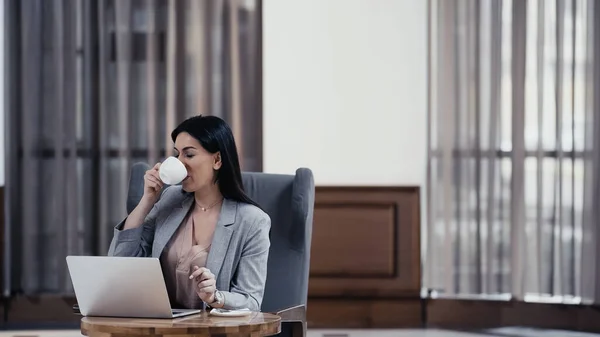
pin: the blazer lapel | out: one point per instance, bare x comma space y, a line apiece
221, 237
170, 225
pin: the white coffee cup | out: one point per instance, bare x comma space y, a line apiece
172, 171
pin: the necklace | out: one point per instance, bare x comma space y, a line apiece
204, 209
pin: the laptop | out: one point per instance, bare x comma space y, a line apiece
121, 287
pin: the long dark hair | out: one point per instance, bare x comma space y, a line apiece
214, 135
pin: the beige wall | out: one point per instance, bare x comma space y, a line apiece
345, 90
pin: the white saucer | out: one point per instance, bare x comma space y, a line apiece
230, 313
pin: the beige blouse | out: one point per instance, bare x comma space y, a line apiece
181, 254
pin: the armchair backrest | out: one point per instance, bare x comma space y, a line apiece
289, 201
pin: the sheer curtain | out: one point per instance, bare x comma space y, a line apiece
97, 85
513, 150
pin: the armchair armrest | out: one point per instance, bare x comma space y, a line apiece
295, 317
293, 314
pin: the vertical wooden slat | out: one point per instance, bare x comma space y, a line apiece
58, 117
123, 37
499, 195
456, 179
596, 145
590, 159
216, 63
235, 97
579, 146
517, 226
465, 145
152, 84
211, 38
558, 252
31, 96
586, 265
175, 69
430, 253
571, 272
445, 112
591, 234
12, 142
83, 113
495, 109
540, 141
171, 66
200, 32
91, 116
253, 89
477, 111
72, 95
181, 75
103, 160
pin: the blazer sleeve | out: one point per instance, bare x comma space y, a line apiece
135, 242
248, 283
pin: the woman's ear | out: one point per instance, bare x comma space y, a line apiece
217, 162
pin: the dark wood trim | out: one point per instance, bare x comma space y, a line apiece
45, 310
342, 313
481, 314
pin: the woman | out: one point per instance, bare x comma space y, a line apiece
212, 240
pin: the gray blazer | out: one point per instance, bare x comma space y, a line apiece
238, 255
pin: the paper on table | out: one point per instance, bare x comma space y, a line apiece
230, 313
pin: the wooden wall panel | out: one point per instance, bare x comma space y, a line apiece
342, 242
365, 243
365, 259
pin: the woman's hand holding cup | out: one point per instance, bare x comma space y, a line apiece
152, 190
152, 184
171, 172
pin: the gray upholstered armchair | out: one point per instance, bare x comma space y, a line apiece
289, 201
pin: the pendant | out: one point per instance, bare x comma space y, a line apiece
203, 209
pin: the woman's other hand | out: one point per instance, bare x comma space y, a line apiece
205, 284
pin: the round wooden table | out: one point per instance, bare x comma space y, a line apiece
256, 324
